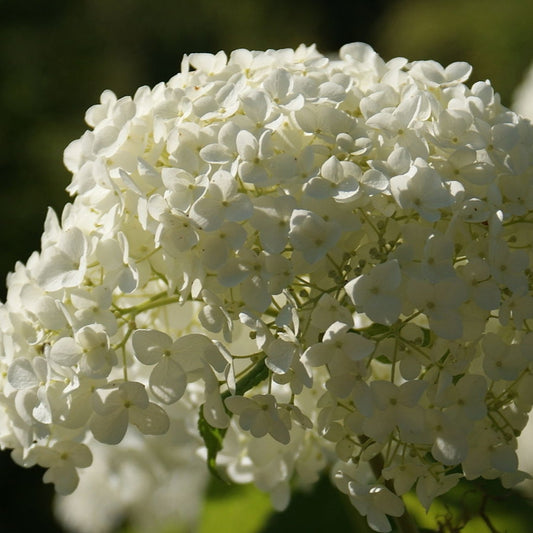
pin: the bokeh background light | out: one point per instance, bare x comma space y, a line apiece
56, 57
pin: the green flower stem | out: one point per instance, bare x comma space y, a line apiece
159, 300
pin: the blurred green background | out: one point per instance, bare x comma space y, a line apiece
57, 56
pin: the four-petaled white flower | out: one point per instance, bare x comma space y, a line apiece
260, 415
421, 188
61, 460
175, 362
377, 293
312, 235
127, 404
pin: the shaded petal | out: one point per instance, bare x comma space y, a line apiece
168, 381
152, 420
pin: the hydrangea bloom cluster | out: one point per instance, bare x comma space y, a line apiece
295, 263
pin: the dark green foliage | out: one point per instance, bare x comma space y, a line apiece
213, 439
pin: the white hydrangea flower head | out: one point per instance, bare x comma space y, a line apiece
299, 261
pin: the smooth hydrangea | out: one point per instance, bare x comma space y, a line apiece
298, 264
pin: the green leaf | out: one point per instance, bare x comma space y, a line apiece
427, 337
384, 359
256, 375
374, 329
214, 440
214, 437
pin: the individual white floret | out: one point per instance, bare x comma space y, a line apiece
64, 264
421, 189
373, 500
377, 293
127, 404
259, 415
220, 202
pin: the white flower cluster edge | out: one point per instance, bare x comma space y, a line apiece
324, 261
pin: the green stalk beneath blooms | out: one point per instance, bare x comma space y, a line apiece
155, 301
